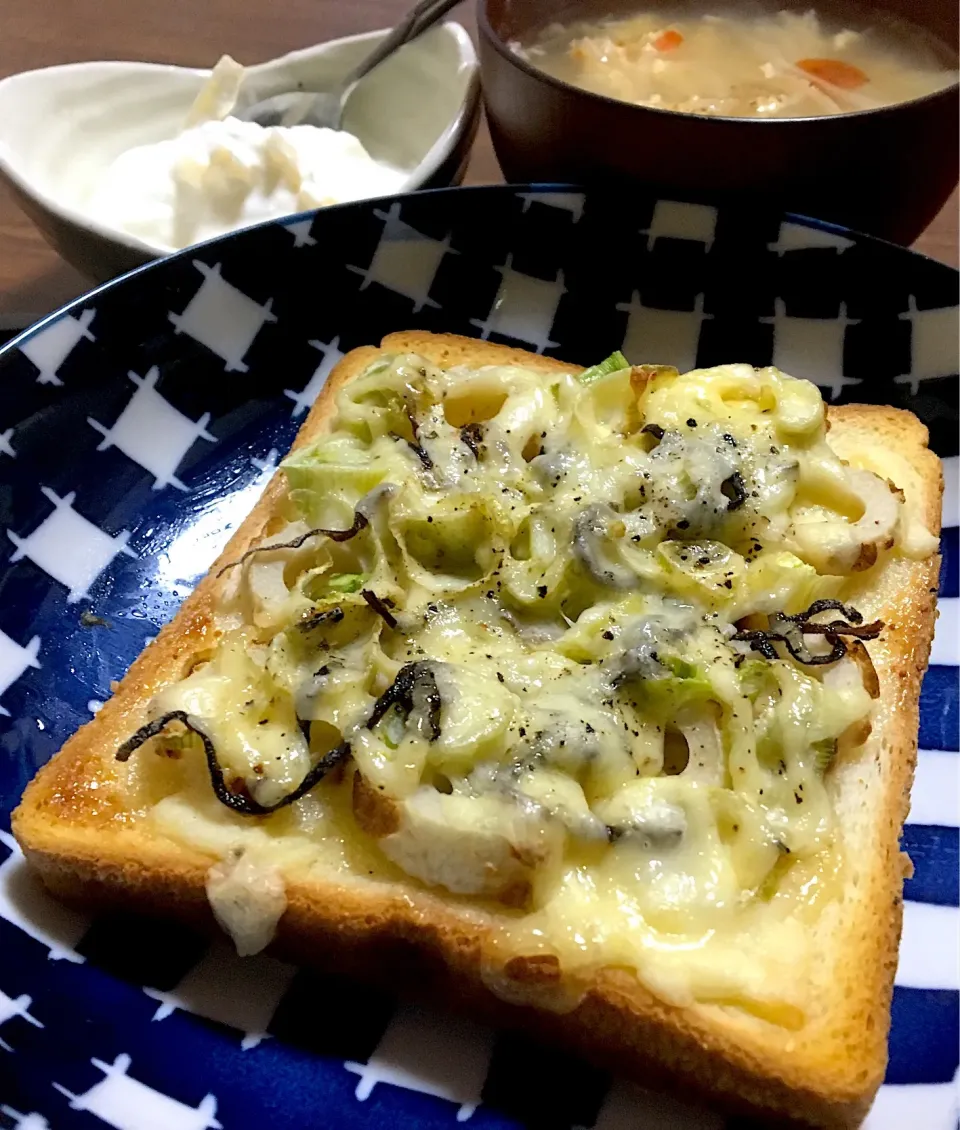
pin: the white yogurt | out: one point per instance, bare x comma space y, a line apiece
220, 175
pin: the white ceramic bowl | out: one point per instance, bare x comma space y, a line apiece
60, 127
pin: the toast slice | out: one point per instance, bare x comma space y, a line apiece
82, 826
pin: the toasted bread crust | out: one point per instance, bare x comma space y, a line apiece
75, 828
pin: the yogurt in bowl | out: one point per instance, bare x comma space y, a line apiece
67, 132
221, 173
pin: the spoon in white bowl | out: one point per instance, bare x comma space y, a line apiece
325, 108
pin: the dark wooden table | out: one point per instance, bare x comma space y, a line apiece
33, 279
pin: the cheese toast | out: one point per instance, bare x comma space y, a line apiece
585, 700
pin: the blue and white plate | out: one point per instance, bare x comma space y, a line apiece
137, 427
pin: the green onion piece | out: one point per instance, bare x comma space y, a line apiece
345, 582
681, 668
824, 752
613, 364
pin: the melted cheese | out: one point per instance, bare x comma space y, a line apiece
247, 900
591, 764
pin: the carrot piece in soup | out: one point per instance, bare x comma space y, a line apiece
668, 41
835, 72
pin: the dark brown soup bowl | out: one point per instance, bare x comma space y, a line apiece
886, 171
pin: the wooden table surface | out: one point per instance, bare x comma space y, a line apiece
33, 279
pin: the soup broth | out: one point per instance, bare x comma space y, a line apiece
781, 65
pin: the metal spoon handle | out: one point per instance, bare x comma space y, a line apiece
431, 15
297, 109
420, 17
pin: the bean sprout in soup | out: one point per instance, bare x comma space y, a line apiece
770, 66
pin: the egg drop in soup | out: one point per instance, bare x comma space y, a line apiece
781, 65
